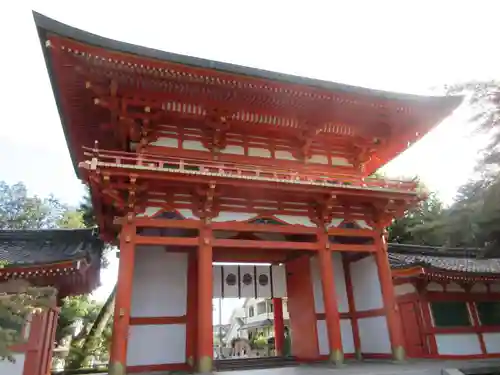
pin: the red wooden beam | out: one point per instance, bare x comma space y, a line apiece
270, 245
148, 222
226, 255
346, 232
263, 228
166, 241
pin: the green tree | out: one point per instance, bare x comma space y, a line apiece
419, 224
483, 98
18, 210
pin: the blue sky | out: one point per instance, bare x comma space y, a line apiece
413, 48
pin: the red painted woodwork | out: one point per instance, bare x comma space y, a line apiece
332, 317
301, 309
157, 320
123, 299
156, 368
39, 344
204, 307
412, 328
279, 326
388, 296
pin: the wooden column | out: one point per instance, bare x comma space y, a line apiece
390, 305
279, 326
352, 308
205, 348
332, 315
123, 301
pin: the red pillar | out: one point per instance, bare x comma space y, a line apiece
279, 326
332, 315
388, 296
123, 299
205, 347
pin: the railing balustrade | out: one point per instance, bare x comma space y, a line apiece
245, 171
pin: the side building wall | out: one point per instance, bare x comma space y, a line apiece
34, 355
428, 335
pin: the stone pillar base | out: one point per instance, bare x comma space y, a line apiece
205, 365
398, 354
116, 368
358, 355
336, 357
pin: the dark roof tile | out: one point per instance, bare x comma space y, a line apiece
468, 260
37, 247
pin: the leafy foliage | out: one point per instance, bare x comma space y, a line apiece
415, 227
20, 211
484, 100
473, 220
92, 340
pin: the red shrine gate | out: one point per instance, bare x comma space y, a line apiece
191, 162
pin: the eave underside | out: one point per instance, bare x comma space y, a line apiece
133, 85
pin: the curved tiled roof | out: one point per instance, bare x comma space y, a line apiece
468, 260
39, 247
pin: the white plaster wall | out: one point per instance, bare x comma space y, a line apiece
233, 149
403, 289
346, 332
226, 216
492, 342
479, 288
156, 344
374, 335
9, 368
166, 142
366, 284
194, 145
340, 288
495, 288
284, 155
458, 344
159, 290
454, 287
159, 283
296, 220
318, 159
13, 286
435, 287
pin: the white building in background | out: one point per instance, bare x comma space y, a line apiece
255, 317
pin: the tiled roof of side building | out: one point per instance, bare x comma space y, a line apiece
47, 246
470, 260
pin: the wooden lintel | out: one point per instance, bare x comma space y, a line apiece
353, 248
166, 241
226, 255
263, 228
270, 245
346, 232
147, 222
